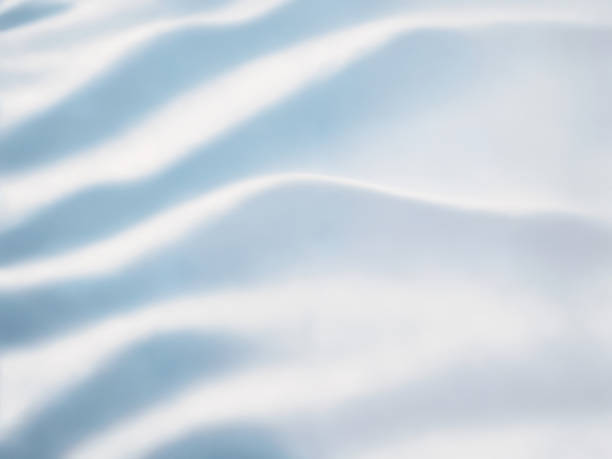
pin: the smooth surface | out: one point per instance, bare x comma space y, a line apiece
305, 229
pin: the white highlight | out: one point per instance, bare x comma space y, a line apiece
569, 438
61, 71
105, 256
203, 114
447, 331
283, 313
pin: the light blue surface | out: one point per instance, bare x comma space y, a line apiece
408, 254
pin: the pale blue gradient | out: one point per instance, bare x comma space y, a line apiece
305, 229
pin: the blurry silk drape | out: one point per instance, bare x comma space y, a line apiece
284, 229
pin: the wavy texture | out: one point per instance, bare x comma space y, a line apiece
305, 229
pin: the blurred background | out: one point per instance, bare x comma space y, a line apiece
305, 229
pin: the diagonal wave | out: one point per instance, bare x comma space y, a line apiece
57, 69
112, 254
253, 87
265, 284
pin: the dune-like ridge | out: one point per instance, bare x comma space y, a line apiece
293, 229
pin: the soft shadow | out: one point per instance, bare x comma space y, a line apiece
565, 381
166, 66
291, 136
317, 229
29, 12
241, 441
140, 376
